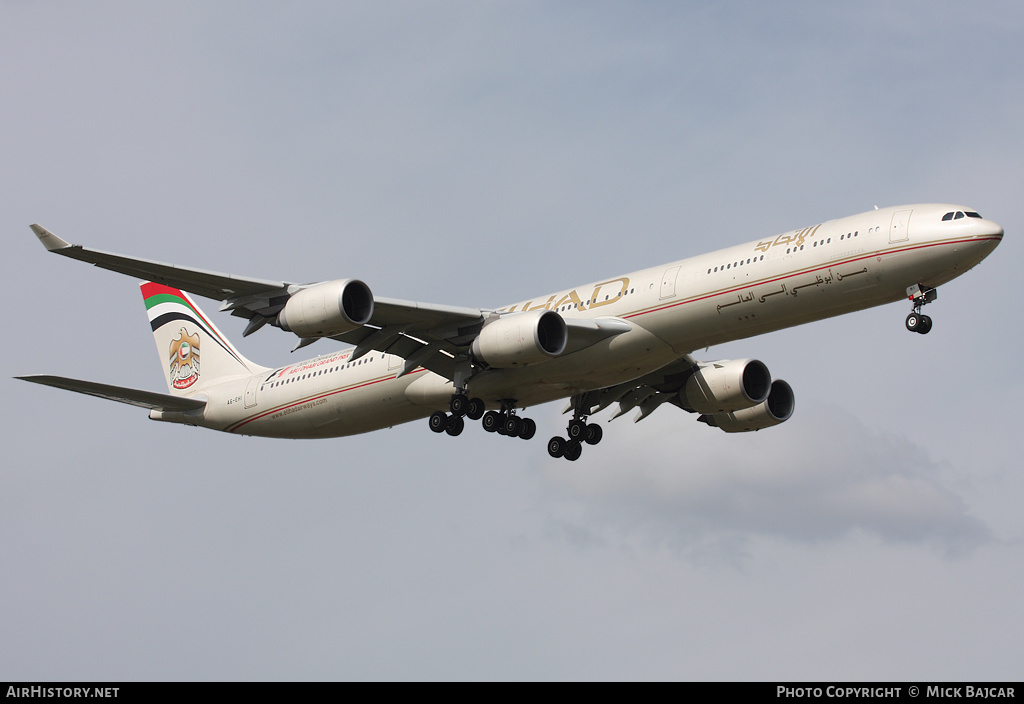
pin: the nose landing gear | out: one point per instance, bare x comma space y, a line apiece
920, 296
916, 322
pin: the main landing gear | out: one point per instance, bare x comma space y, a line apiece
920, 296
504, 422
461, 408
579, 432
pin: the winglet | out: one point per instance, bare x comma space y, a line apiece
49, 240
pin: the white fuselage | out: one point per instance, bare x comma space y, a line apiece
777, 282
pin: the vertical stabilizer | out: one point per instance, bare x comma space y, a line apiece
193, 352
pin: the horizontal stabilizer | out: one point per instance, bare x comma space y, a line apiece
135, 397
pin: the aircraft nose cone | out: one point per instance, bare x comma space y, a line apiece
992, 232
988, 237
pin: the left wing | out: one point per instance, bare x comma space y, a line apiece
647, 393
734, 395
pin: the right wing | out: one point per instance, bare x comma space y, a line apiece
432, 336
209, 284
425, 335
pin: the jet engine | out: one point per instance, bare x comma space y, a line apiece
519, 339
326, 309
777, 408
727, 385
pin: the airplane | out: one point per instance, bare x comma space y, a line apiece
625, 340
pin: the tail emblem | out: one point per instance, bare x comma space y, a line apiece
184, 359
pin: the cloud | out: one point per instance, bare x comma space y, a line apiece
821, 477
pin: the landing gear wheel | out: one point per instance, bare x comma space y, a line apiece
556, 446
513, 426
459, 405
577, 430
594, 434
491, 421
455, 425
475, 409
529, 429
438, 421
920, 296
573, 450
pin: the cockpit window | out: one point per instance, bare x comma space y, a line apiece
957, 214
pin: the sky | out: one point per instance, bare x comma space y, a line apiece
478, 154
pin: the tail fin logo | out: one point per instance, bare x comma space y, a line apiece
184, 360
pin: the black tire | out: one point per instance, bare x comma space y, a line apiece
438, 421
573, 450
475, 409
491, 421
456, 425
458, 405
529, 429
577, 430
556, 446
513, 426
594, 434
926, 325
914, 322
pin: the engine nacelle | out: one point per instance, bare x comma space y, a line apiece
519, 339
327, 309
728, 385
777, 408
